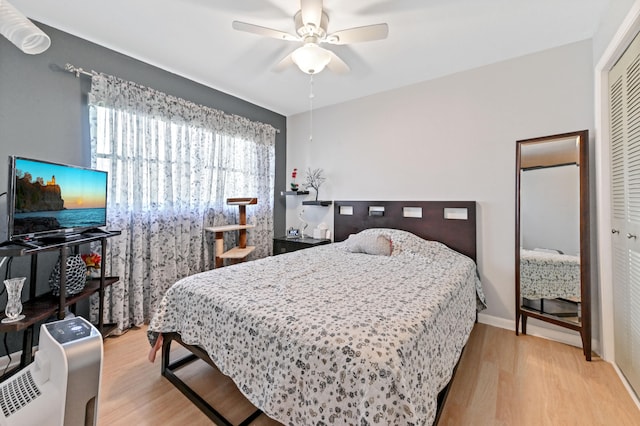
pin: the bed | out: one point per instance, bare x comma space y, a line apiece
367, 330
544, 274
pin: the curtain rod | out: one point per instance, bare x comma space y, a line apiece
80, 71
77, 70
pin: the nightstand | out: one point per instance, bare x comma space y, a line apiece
287, 245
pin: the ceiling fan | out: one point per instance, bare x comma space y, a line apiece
311, 23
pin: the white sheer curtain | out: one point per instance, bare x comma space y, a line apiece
172, 164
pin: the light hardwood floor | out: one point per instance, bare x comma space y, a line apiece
502, 379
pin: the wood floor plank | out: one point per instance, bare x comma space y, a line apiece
502, 379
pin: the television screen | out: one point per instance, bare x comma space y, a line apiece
48, 198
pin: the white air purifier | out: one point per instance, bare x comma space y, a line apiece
61, 386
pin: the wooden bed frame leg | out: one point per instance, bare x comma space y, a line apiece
168, 371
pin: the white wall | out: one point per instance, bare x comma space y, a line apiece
609, 25
448, 139
550, 209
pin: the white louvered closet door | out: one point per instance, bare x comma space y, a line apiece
624, 98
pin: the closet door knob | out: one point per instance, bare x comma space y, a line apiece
615, 231
630, 236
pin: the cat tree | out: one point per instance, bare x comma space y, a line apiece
241, 251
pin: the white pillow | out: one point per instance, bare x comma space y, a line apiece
401, 241
376, 244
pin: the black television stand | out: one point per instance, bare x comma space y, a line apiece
38, 308
94, 232
55, 239
27, 244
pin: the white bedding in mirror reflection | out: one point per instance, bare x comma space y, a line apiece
549, 275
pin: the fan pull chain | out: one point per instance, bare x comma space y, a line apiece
311, 108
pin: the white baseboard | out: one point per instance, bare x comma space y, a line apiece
6, 364
566, 337
627, 386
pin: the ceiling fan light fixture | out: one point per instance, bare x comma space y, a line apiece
311, 58
311, 24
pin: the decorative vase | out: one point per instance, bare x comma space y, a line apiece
76, 276
14, 299
93, 272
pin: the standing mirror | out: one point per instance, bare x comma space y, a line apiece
552, 233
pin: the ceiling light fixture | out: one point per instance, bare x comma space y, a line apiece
311, 58
19, 30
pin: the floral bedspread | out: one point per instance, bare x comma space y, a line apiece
326, 336
549, 275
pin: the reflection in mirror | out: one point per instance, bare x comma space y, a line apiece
552, 233
550, 227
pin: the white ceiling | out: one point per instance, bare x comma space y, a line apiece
427, 39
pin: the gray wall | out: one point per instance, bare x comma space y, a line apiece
43, 115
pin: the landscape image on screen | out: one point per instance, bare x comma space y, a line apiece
51, 197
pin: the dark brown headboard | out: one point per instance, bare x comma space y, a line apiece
458, 234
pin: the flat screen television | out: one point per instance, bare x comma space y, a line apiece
52, 200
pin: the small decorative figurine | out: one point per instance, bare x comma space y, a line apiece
294, 185
303, 223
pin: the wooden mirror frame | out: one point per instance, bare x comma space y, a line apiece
584, 326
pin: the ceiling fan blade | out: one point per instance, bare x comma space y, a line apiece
263, 31
336, 64
359, 34
286, 62
311, 12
